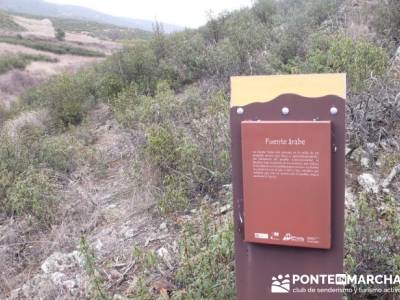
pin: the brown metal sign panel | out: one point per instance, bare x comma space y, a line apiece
285, 98
287, 182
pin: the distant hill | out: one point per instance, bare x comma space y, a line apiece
42, 8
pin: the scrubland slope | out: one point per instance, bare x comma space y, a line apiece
115, 181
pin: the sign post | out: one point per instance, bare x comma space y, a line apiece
288, 148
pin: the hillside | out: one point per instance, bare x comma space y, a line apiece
30, 53
42, 8
115, 180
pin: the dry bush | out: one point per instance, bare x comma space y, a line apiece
16, 81
373, 114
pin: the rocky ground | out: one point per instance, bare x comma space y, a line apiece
100, 204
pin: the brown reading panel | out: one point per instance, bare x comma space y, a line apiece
287, 182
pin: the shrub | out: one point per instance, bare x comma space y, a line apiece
359, 59
68, 98
247, 38
138, 64
16, 155
373, 113
108, 86
59, 153
174, 197
7, 23
147, 263
32, 194
158, 42
97, 290
387, 20
372, 237
176, 160
211, 134
3, 114
290, 38
60, 34
188, 162
206, 269
27, 186
133, 109
186, 57
163, 149
265, 10
203, 263
317, 11
58, 48
20, 61
222, 61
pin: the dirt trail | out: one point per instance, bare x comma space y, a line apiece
102, 203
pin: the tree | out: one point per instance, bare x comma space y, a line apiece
265, 10
60, 34
158, 42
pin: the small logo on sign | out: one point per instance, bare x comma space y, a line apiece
275, 236
293, 238
263, 236
280, 284
313, 240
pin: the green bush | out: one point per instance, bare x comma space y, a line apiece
7, 23
176, 161
108, 85
133, 109
3, 114
188, 162
16, 156
28, 159
317, 11
147, 263
373, 237
59, 153
163, 149
32, 194
58, 48
60, 34
247, 37
125, 105
265, 10
27, 180
96, 282
206, 269
68, 98
359, 59
20, 61
186, 58
174, 197
138, 64
211, 135
203, 266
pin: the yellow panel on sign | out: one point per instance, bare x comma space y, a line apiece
250, 89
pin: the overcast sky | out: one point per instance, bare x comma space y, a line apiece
188, 13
